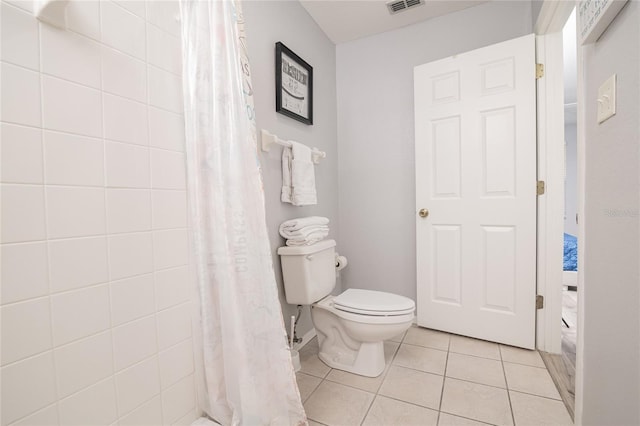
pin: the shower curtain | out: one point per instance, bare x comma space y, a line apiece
249, 378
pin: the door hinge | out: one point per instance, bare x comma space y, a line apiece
539, 71
540, 187
539, 301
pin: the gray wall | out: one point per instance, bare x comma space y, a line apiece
376, 136
611, 293
267, 23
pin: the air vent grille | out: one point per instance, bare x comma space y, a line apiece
400, 5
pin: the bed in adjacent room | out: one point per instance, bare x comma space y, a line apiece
570, 262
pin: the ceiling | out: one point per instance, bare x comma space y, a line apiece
348, 20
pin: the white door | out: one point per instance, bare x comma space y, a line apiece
476, 176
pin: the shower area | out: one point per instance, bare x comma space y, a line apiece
112, 214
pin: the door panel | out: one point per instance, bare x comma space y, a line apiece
476, 173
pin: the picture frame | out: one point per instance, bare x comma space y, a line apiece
294, 85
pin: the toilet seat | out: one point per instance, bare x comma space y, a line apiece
328, 305
376, 303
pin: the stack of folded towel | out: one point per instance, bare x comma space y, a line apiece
305, 230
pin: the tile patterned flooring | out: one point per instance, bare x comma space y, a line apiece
434, 378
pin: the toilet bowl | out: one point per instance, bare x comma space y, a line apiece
351, 327
351, 338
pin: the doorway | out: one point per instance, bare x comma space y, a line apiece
570, 253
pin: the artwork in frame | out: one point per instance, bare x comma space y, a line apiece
294, 85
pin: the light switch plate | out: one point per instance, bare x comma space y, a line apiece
607, 99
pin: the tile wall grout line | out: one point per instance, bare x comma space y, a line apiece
46, 222
506, 383
106, 216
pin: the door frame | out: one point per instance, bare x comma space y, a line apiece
548, 29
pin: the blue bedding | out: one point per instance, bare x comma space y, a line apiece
570, 253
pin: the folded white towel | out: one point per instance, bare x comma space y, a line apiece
310, 239
305, 230
299, 223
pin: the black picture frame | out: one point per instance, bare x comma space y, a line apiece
294, 85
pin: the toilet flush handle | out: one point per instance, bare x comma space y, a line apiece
309, 257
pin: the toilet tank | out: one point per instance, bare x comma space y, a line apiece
309, 272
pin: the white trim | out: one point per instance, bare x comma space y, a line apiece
308, 336
581, 120
553, 15
550, 128
552, 18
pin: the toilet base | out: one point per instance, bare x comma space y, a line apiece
368, 360
353, 342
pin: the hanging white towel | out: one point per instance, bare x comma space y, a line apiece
303, 178
286, 174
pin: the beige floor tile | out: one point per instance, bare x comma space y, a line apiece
531, 380
537, 411
428, 338
386, 411
475, 347
312, 423
369, 384
398, 338
412, 386
478, 402
335, 404
419, 358
521, 356
390, 349
474, 369
306, 384
310, 363
451, 420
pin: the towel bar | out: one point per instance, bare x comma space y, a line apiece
269, 139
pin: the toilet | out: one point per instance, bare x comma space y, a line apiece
352, 326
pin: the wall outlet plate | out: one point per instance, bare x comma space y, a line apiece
607, 99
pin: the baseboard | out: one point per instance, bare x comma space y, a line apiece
305, 339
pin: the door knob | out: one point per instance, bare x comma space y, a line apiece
423, 213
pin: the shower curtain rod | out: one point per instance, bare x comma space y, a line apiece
269, 139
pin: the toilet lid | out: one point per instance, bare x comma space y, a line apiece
371, 302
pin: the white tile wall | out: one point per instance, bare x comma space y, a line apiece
95, 297
127, 166
27, 386
23, 213
70, 107
20, 95
148, 414
22, 47
137, 384
70, 57
131, 298
34, 334
21, 154
134, 342
83, 363
77, 263
61, 153
125, 120
24, 271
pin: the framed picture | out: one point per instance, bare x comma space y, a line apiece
294, 85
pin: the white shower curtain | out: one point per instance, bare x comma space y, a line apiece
249, 379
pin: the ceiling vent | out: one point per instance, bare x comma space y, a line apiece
400, 5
